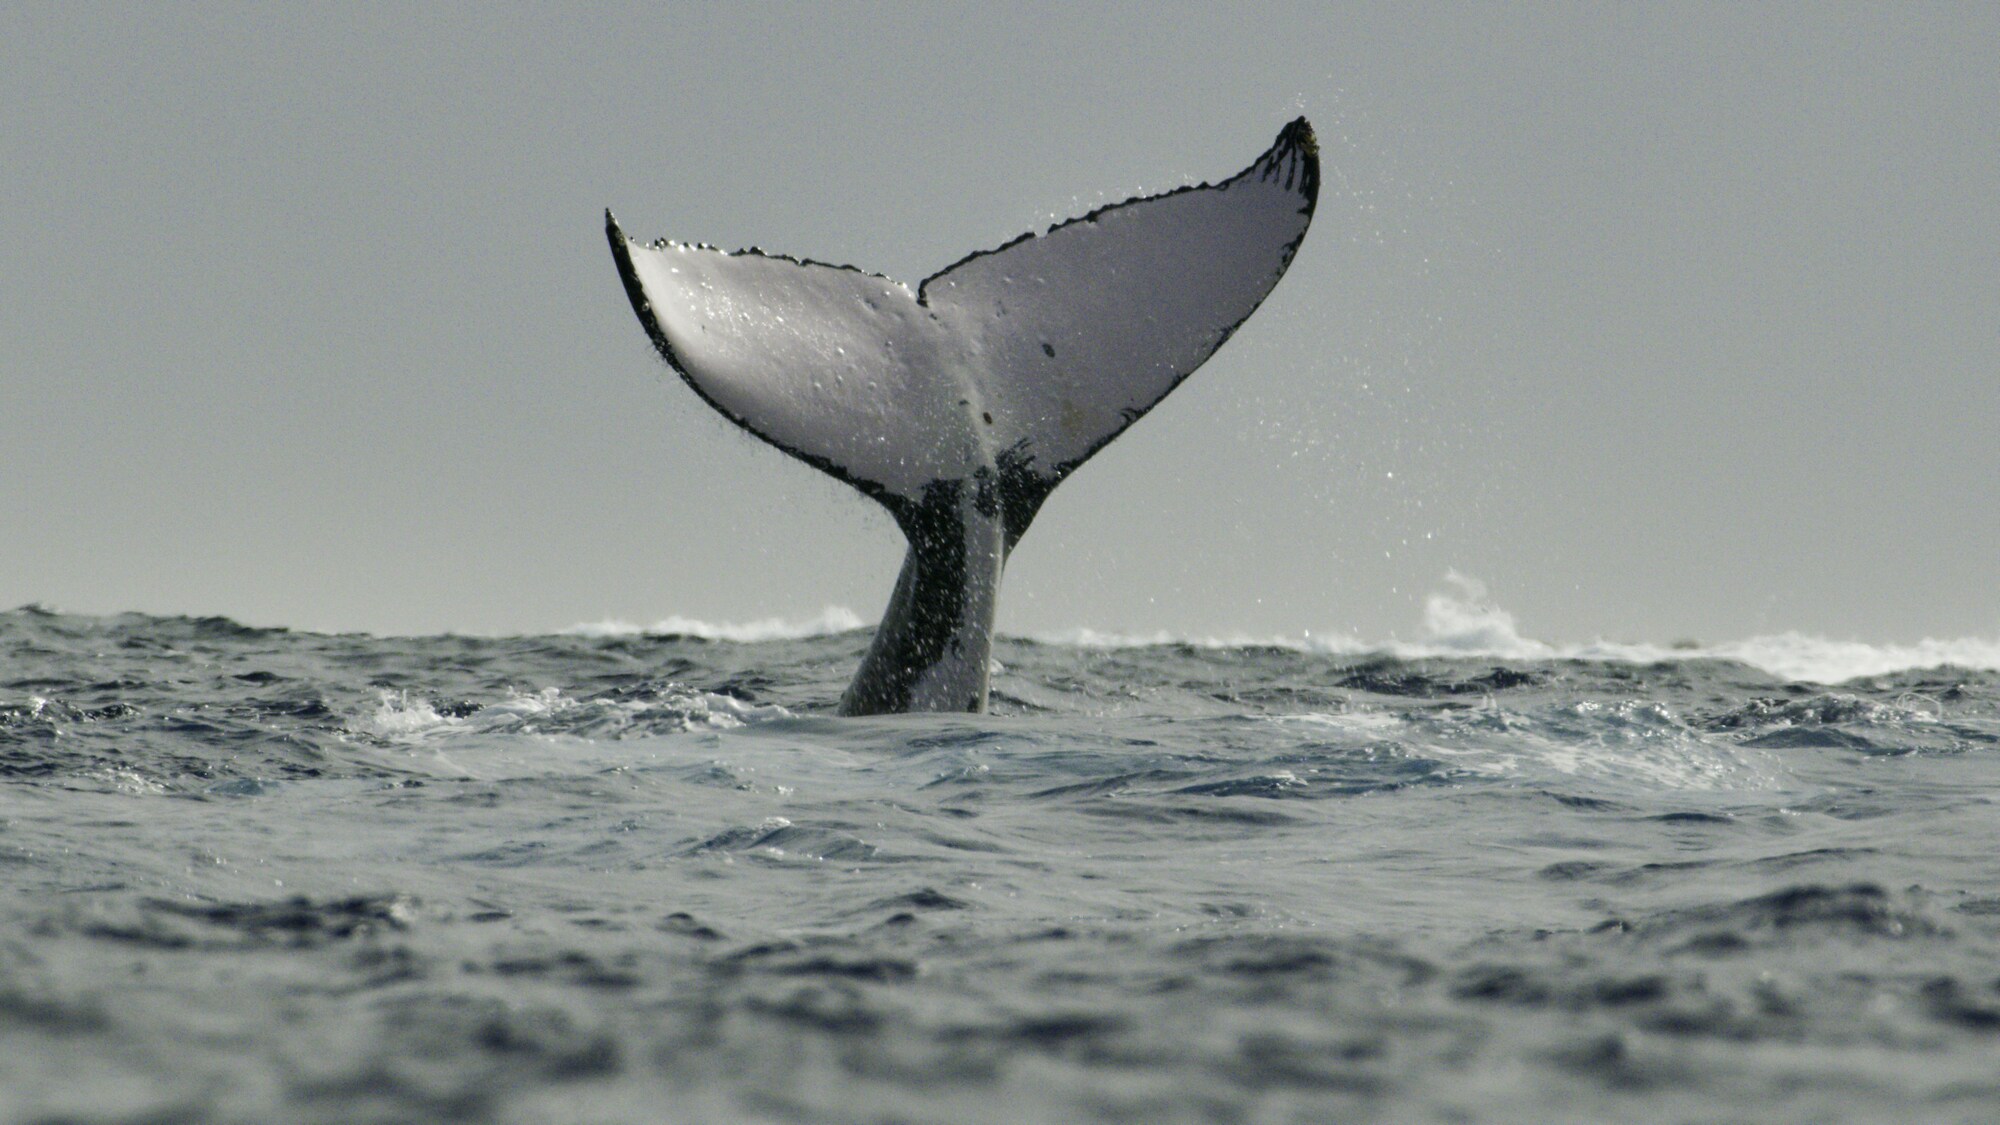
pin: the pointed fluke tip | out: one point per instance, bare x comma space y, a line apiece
1298, 134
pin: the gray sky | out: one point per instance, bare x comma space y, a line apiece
1672, 321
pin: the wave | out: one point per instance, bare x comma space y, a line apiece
1464, 624
1797, 656
831, 620
1461, 622
401, 718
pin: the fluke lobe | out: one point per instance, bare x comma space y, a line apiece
960, 406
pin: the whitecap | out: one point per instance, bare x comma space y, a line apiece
1463, 622
831, 620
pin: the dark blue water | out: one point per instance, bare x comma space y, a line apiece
254, 875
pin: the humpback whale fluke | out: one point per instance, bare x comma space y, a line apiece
961, 405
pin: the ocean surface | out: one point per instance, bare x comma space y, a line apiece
643, 875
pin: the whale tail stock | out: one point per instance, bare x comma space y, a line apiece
961, 405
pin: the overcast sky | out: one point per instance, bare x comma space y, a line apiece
1664, 322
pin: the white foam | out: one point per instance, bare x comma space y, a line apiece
1462, 622
1801, 657
1633, 742
833, 619
1085, 637
401, 718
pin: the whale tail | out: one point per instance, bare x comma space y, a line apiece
960, 405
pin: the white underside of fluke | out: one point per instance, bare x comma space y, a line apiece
1012, 366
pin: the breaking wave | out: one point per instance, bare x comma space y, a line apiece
831, 620
1463, 622
1460, 622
